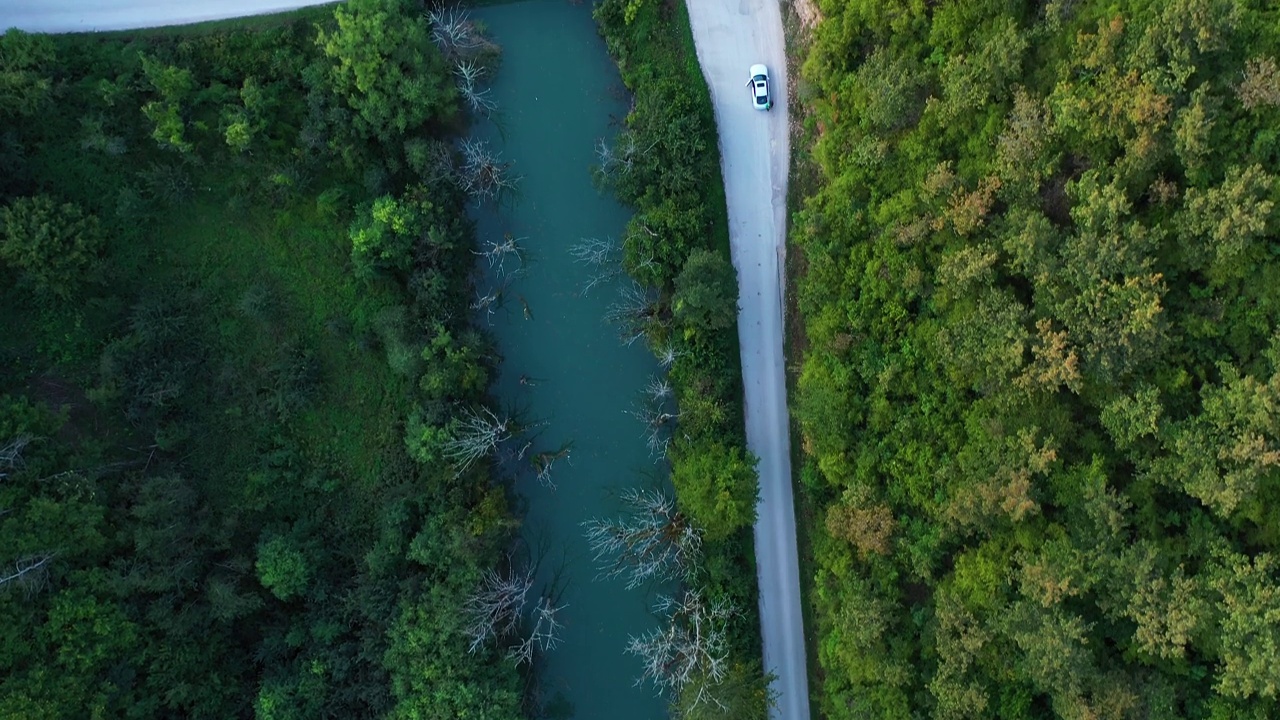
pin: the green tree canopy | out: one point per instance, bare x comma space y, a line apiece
717, 486
705, 292
53, 245
386, 69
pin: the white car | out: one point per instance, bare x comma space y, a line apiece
759, 84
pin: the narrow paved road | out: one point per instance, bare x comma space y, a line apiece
731, 35
59, 16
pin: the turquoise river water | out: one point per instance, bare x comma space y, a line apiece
558, 93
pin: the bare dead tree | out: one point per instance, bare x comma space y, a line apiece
544, 461
653, 542
453, 31
619, 157
30, 572
544, 634
603, 258
490, 302
483, 174
11, 453
667, 355
498, 252
692, 644
645, 266
474, 436
658, 422
495, 607
658, 389
635, 310
470, 75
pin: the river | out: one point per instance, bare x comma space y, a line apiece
558, 93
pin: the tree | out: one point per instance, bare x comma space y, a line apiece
1024, 154
691, 645
655, 542
1223, 226
870, 529
1110, 297
1260, 86
717, 485
386, 69
395, 231
1225, 455
475, 435
495, 607
1250, 628
1169, 607
971, 82
25, 86
173, 85
53, 245
960, 641
706, 294
246, 121
1054, 651
283, 568
383, 235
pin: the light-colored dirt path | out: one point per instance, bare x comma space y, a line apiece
60, 16
731, 35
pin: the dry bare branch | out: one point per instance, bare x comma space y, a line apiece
483, 174
544, 636
494, 608
692, 644
497, 252
30, 572
658, 422
635, 310
543, 463
470, 75
474, 436
602, 257
653, 542
11, 453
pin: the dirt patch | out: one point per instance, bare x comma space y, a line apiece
807, 11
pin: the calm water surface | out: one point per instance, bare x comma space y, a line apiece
558, 92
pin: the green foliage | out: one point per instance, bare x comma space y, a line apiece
204, 385
25, 60
53, 245
706, 294
283, 568
385, 68
1038, 390
717, 485
742, 695
173, 85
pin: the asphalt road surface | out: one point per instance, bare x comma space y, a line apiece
59, 16
732, 35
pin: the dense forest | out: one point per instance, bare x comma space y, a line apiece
245, 440
1040, 393
238, 378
